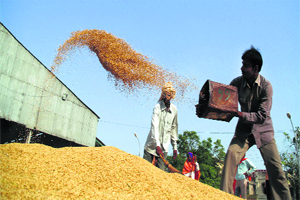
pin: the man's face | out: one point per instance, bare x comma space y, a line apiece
168, 96
248, 70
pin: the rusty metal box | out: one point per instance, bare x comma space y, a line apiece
217, 101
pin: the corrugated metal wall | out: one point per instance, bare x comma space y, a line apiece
31, 95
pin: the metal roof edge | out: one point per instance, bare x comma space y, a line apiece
49, 70
98, 140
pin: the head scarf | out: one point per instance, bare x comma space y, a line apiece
243, 158
168, 87
190, 166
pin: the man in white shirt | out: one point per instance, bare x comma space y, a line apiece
244, 170
164, 128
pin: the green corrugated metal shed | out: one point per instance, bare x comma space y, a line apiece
31, 95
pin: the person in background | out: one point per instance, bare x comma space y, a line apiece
244, 170
164, 128
254, 126
191, 167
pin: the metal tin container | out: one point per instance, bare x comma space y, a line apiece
217, 101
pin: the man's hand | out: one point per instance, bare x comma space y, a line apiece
246, 175
174, 154
159, 151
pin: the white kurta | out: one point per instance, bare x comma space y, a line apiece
164, 129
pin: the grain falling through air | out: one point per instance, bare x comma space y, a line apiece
130, 70
36, 171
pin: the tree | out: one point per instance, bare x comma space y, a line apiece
210, 156
290, 162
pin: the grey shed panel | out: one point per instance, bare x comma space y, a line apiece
31, 95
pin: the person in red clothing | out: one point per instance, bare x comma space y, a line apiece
191, 167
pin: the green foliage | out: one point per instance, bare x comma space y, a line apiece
188, 142
210, 156
209, 175
290, 161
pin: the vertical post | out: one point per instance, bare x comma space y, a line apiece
297, 149
29, 136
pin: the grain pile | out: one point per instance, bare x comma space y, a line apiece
36, 171
129, 69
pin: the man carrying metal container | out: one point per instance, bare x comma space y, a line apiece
254, 127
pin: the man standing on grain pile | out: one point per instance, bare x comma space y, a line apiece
164, 128
254, 127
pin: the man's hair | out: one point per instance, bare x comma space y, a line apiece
254, 56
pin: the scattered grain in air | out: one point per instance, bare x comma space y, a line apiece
36, 171
130, 70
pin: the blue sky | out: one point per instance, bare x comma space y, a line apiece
196, 39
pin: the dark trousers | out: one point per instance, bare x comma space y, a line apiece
271, 157
149, 157
241, 188
268, 190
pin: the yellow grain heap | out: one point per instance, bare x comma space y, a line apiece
36, 171
129, 69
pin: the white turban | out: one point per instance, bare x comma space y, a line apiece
167, 88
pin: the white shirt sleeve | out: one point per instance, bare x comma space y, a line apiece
155, 124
